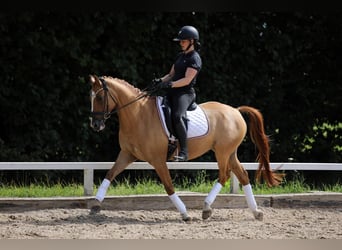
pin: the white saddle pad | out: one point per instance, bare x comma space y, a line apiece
197, 125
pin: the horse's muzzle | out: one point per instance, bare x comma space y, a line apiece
97, 125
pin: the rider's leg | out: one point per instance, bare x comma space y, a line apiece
180, 104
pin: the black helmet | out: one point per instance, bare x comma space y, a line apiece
186, 33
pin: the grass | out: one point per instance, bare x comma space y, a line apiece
40, 190
148, 186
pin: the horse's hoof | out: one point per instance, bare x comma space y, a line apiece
206, 214
186, 218
95, 210
95, 207
258, 215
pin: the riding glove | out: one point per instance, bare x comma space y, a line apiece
156, 81
165, 85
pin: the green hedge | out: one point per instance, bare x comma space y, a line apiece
285, 64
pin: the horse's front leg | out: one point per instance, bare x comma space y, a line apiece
123, 160
164, 175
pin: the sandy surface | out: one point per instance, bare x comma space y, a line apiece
166, 224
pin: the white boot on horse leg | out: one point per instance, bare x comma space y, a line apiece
207, 210
101, 192
180, 206
259, 215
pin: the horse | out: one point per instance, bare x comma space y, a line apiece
142, 137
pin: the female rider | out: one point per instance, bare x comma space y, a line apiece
180, 82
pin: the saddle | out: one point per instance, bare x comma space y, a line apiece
167, 114
196, 122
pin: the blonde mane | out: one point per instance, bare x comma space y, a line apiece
121, 81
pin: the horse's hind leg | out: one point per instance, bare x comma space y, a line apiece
243, 178
123, 160
224, 175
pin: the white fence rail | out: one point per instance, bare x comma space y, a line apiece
89, 167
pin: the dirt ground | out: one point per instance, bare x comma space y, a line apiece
278, 223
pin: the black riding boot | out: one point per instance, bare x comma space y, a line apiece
181, 134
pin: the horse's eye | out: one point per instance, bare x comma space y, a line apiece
99, 98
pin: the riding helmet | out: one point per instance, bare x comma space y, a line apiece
187, 33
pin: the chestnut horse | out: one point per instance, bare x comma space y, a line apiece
141, 136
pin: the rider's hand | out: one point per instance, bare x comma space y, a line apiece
165, 85
156, 81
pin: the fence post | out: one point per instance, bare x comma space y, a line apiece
88, 182
234, 184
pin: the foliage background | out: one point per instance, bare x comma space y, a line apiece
286, 64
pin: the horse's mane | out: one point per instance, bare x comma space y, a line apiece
121, 81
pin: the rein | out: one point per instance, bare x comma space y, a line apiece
106, 114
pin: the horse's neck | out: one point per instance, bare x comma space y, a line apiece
131, 112
123, 92
135, 116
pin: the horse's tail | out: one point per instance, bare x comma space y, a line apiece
260, 139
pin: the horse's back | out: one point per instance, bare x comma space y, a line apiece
224, 118
218, 107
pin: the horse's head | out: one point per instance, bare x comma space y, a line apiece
102, 103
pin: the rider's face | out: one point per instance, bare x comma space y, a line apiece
184, 44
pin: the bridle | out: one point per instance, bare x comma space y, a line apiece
106, 114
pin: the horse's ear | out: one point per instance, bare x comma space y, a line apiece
91, 79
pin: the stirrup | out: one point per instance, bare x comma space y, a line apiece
181, 157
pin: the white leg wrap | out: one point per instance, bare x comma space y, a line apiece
102, 190
178, 203
213, 193
250, 197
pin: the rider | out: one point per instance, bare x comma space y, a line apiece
180, 82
